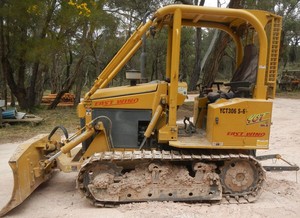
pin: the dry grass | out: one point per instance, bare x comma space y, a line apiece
292, 95
22, 131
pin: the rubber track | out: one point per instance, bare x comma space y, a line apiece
174, 156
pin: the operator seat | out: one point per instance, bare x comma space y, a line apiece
244, 78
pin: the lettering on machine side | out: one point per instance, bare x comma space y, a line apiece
257, 118
105, 103
246, 134
226, 110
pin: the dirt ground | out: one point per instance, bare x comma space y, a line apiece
281, 197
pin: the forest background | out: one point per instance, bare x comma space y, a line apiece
61, 46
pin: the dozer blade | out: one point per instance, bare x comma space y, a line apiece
28, 170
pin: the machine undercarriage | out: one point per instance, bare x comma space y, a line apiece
110, 178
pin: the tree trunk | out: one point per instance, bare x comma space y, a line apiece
36, 80
69, 84
213, 61
197, 66
27, 97
78, 88
12, 99
19, 92
54, 76
2, 51
194, 77
39, 87
210, 68
8, 72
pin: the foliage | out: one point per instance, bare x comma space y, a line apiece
63, 45
289, 10
49, 43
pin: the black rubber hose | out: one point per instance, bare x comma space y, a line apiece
55, 129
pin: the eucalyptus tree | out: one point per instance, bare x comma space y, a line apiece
290, 39
47, 42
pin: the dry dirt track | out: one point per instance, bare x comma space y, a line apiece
281, 198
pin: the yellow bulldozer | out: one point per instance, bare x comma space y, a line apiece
131, 148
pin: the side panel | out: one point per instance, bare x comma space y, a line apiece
126, 125
130, 109
239, 122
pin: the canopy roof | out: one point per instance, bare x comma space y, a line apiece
232, 18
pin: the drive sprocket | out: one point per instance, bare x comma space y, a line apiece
238, 176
